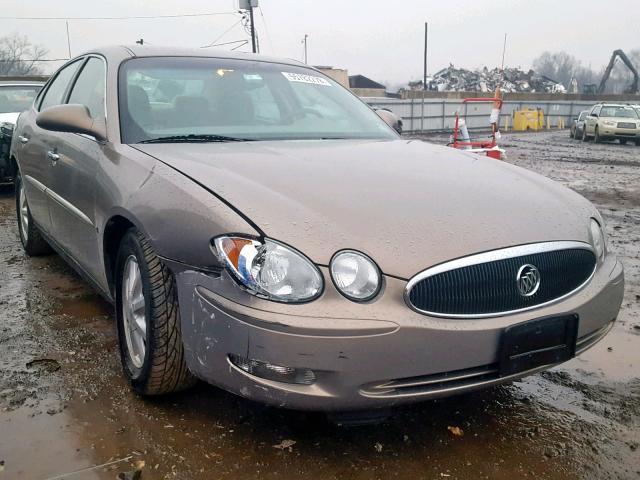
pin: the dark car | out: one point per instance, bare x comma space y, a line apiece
258, 226
577, 126
16, 95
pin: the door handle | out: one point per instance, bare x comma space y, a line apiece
23, 139
53, 156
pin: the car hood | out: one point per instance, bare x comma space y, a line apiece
407, 204
9, 117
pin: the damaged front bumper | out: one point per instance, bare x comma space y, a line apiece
366, 361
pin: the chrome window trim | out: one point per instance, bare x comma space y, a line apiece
492, 256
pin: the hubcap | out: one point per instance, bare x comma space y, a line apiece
24, 214
134, 312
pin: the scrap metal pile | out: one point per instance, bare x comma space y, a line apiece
453, 79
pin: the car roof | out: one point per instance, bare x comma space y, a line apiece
20, 83
615, 104
132, 51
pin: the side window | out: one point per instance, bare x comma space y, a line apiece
596, 110
89, 87
55, 93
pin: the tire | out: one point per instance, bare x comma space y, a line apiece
637, 143
32, 240
585, 137
623, 141
159, 367
596, 136
572, 134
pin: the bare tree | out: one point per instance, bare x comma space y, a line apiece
558, 66
18, 56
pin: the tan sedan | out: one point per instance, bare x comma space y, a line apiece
259, 227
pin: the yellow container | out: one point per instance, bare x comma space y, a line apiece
528, 119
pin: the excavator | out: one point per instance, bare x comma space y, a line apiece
633, 88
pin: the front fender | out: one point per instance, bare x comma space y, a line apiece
177, 215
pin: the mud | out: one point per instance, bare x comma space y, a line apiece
65, 411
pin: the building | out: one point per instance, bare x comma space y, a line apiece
340, 75
365, 87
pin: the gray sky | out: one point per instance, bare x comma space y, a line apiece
379, 39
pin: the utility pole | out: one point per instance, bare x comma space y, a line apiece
250, 5
305, 47
426, 34
253, 27
68, 39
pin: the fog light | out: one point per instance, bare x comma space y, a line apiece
277, 373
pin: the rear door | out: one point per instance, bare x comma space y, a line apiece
591, 120
74, 182
34, 143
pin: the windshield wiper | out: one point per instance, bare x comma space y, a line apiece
192, 138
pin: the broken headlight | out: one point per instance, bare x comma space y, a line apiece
269, 269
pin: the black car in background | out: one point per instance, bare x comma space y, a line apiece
16, 95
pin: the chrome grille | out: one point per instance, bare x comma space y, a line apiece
626, 125
487, 284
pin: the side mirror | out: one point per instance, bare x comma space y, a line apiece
71, 118
594, 115
390, 119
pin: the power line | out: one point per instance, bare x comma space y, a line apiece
266, 29
222, 34
137, 17
244, 42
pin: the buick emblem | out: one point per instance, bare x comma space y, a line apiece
528, 279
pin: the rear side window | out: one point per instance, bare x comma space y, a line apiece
89, 87
55, 93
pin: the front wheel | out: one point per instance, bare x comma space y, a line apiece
148, 319
585, 137
596, 136
32, 240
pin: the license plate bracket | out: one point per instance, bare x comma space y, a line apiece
539, 342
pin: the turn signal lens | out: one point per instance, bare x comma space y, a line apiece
597, 238
269, 371
270, 269
355, 275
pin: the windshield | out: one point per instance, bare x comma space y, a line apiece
17, 98
620, 112
582, 115
239, 99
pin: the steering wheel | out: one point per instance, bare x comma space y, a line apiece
301, 113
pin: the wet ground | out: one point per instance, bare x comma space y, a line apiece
65, 411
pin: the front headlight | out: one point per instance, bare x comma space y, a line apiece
355, 275
597, 238
270, 269
609, 123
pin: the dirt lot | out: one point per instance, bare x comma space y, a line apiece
65, 408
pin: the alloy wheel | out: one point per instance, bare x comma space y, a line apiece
134, 312
24, 214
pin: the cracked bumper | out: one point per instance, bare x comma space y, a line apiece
362, 362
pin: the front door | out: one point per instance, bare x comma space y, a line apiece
75, 166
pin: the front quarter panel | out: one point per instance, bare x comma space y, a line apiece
178, 216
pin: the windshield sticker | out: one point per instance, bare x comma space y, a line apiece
297, 77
